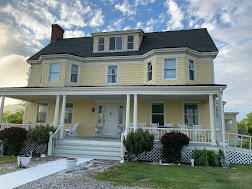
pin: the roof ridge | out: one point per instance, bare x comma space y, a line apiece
177, 30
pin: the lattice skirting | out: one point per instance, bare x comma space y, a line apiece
28, 146
235, 156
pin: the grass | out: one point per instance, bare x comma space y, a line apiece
175, 177
7, 159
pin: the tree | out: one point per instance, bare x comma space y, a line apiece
246, 123
14, 118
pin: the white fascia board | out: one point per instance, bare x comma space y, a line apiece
135, 57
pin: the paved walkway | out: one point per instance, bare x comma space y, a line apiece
18, 178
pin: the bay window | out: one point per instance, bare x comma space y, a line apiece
149, 71
170, 71
74, 73
54, 72
191, 70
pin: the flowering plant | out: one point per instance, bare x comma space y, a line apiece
71, 158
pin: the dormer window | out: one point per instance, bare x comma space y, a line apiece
101, 44
115, 43
130, 42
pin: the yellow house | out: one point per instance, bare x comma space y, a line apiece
114, 82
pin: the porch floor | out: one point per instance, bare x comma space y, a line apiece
93, 138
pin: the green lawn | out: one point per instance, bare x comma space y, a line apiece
173, 177
8, 159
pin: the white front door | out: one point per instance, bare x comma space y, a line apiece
111, 116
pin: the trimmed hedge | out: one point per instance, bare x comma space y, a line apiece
205, 158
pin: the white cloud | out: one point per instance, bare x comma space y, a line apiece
143, 2
176, 15
72, 34
126, 8
97, 19
13, 71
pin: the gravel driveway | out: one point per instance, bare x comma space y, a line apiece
82, 177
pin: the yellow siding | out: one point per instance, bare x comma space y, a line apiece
31, 112
174, 112
204, 72
131, 74
93, 75
35, 75
204, 114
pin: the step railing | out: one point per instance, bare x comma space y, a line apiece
195, 135
54, 140
238, 140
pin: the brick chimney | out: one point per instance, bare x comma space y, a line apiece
57, 33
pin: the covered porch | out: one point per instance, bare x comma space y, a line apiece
110, 111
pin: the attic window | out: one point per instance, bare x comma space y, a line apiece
115, 43
101, 44
130, 42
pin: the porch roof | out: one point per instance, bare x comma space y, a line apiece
27, 93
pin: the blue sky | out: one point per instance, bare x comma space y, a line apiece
25, 28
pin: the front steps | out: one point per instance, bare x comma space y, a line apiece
95, 148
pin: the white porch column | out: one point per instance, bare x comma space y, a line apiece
2, 108
222, 121
56, 111
212, 122
127, 114
62, 118
135, 113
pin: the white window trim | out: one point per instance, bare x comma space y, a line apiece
127, 43
147, 71
194, 71
36, 118
117, 73
176, 69
158, 102
183, 109
49, 73
70, 73
98, 44
116, 50
71, 102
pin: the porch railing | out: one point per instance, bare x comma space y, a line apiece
238, 140
54, 140
195, 135
26, 126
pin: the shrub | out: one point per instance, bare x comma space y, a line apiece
250, 131
39, 134
139, 142
13, 139
205, 158
173, 142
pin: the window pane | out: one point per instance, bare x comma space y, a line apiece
158, 119
130, 45
101, 40
131, 39
191, 65
149, 66
112, 43
157, 108
54, 77
191, 114
170, 74
75, 68
229, 124
113, 79
150, 76
54, 68
101, 47
74, 78
69, 113
118, 43
42, 113
191, 76
170, 64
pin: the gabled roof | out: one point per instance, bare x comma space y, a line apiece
196, 39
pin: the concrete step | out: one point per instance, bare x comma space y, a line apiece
88, 148
89, 153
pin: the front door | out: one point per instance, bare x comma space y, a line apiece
111, 116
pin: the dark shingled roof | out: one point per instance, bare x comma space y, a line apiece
196, 39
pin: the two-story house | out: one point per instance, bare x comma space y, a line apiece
116, 81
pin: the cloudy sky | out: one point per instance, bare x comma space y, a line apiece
25, 28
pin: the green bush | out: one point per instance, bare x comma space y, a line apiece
173, 142
250, 131
139, 142
205, 158
39, 134
13, 139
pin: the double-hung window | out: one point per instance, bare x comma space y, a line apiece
69, 113
158, 113
42, 112
149, 71
74, 73
191, 70
191, 114
130, 42
112, 74
170, 69
115, 43
101, 44
54, 72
